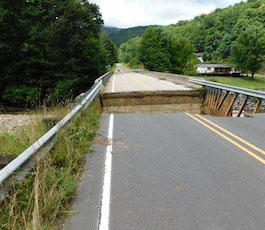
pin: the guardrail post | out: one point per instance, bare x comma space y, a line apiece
256, 109
219, 94
223, 99
213, 98
242, 106
231, 104
210, 96
206, 98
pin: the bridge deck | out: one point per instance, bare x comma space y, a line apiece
126, 81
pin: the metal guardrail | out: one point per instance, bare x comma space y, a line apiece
238, 90
23, 163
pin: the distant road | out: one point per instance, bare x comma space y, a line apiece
126, 81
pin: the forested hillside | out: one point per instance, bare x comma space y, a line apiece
109, 30
214, 33
123, 35
50, 50
235, 35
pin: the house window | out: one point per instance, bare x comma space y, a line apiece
209, 68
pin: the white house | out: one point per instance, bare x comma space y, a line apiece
217, 69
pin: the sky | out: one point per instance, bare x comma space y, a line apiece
130, 13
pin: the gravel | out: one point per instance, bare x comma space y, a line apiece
11, 123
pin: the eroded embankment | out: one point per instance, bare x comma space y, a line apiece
153, 102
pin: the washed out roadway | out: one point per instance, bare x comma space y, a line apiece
171, 172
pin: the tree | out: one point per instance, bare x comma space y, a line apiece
128, 50
49, 49
248, 51
110, 49
164, 52
181, 53
154, 50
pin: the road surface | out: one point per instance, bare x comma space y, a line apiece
126, 81
169, 171
174, 171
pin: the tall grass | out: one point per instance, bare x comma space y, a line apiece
13, 143
43, 199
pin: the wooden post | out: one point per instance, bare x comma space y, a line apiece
213, 98
256, 109
242, 106
219, 94
231, 105
209, 97
206, 96
223, 99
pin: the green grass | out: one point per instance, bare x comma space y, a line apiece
43, 199
257, 83
162, 78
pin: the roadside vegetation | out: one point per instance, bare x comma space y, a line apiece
113, 68
16, 142
43, 199
258, 83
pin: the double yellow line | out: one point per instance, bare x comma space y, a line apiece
201, 120
142, 83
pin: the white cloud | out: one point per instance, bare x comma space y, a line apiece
129, 13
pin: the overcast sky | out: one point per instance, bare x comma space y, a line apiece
129, 13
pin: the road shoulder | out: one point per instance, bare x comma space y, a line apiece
87, 204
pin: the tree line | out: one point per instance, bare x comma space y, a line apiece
123, 35
235, 35
50, 50
159, 50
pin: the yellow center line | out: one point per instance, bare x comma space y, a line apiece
233, 135
142, 83
228, 139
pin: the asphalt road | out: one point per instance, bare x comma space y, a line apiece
125, 81
174, 171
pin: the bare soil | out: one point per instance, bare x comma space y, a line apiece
11, 122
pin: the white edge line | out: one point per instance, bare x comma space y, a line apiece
105, 205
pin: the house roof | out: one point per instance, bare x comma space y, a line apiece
215, 65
